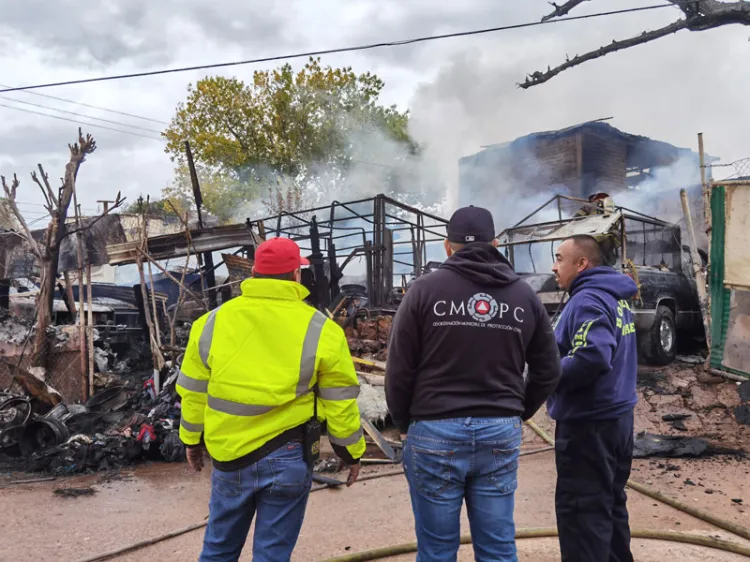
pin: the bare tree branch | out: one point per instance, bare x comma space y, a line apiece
10, 195
699, 16
537, 78
118, 203
562, 10
49, 195
50, 206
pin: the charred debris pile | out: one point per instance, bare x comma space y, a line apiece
97, 390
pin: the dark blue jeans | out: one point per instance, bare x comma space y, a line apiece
276, 488
472, 459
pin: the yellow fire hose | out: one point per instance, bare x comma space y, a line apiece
549, 532
733, 528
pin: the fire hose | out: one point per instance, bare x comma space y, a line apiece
686, 538
549, 532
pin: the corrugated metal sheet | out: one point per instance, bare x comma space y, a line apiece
592, 225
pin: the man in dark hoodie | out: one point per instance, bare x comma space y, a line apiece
593, 405
455, 381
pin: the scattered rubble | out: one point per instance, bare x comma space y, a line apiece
676, 400
74, 492
368, 337
122, 424
668, 446
13, 332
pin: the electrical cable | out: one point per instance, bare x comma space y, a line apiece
356, 48
100, 108
82, 115
79, 122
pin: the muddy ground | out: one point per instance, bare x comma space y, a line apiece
150, 500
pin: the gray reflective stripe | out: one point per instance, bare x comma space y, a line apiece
345, 441
307, 368
194, 427
237, 409
207, 335
339, 393
309, 352
194, 385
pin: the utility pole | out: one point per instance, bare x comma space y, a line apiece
105, 205
208, 258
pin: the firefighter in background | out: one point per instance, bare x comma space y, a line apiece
599, 203
259, 374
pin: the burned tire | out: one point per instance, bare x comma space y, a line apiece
658, 346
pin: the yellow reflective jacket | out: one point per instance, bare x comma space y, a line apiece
250, 367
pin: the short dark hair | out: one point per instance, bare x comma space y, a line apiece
589, 247
289, 276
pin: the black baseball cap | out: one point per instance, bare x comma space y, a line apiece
471, 224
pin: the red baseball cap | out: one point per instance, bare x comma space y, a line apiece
278, 255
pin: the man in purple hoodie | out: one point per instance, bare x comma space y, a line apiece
593, 404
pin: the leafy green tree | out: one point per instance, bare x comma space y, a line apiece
301, 130
224, 195
155, 207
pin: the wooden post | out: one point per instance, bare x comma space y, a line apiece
147, 313
700, 275
87, 388
704, 183
207, 256
90, 326
153, 303
158, 359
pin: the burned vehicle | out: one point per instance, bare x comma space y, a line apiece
649, 250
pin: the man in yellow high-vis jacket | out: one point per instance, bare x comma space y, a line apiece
249, 379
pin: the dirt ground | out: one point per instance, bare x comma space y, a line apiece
150, 500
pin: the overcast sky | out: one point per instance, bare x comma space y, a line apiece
462, 92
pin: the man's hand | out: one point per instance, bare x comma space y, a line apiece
195, 457
403, 437
353, 472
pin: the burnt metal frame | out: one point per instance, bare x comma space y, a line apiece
377, 248
626, 214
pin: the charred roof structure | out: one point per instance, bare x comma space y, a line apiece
390, 236
578, 161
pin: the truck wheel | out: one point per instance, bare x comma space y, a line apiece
659, 345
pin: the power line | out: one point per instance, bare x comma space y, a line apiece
81, 115
24, 204
89, 105
78, 122
335, 51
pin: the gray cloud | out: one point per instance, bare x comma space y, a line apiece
140, 31
462, 92
396, 20
30, 141
650, 90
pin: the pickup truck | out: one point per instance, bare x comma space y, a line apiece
666, 310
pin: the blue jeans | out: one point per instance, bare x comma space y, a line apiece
277, 488
447, 461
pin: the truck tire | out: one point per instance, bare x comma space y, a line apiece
658, 346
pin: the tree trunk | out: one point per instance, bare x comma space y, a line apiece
44, 313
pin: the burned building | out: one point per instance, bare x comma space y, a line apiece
580, 161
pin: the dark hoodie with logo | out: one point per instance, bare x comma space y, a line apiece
461, 339
596, 337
